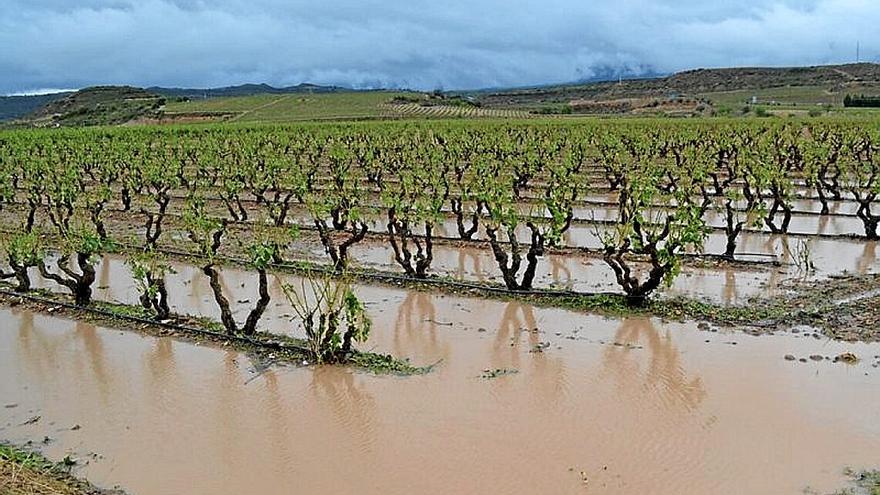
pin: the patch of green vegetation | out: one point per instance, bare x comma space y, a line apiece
681, 307
23, 458
386, 364
782, 96
123, 310
611, 304
863, 483
291, 107
24, 472
762, 112
563, 109
489, 374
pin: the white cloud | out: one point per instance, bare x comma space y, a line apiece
40, 91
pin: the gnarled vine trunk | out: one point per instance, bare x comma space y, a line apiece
400, 234
79, 284
250, 325
510, 265
339, 251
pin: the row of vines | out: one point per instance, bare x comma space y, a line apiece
513, 185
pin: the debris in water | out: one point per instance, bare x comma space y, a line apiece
540, 347
847, 357
488, 374
33, 420
443, 323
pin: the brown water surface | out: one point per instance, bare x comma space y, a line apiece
636, 405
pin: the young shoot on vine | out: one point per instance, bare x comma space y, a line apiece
24, 250
331, 314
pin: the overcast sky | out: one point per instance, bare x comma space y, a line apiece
420, 44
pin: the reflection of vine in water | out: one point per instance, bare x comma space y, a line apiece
868, 257
799, 254
773, 242
230, 416
276, 291
200, 302
352, 407
160, 359
729, 294
278, 417
42, 349
104, 277
95, 350
516, 320
824, 220
461, 271
34, 346
775, 276
664, 374
559, 265
546, 377
417, 323
39, 348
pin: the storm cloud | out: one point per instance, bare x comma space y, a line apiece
415, 43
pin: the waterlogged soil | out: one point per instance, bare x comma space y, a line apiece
714, 281
844, 308
783, 259
523, 400
190, 294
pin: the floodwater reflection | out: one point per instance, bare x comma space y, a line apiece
662, 378
639, 405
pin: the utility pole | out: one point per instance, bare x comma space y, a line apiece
858, 50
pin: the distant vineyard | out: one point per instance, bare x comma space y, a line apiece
450, 111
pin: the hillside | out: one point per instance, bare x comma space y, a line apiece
339, 105
99, 105
784, 91
819, 84
15, 107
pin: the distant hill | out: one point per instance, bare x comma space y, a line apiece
693, 92
99, 105
242, 90
29, 107
14, 107
692, 82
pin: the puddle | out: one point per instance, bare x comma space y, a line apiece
637, 405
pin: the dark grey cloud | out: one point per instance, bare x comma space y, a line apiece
414, 43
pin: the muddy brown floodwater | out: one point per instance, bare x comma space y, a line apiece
607, 406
